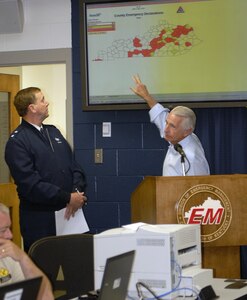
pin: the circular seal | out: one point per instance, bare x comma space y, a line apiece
206, 205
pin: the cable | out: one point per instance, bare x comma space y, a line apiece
188, 164
191, 290
175, 289
146, 287
152, 292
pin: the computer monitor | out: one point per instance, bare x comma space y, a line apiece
21, 290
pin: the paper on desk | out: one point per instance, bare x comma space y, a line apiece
76, 224
134, 226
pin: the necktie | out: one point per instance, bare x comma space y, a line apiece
45, 134
42, 131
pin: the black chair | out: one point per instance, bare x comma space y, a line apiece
68, 262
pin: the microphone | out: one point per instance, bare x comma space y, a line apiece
179, 149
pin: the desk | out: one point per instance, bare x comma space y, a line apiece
219, 285
227, 294
219, 288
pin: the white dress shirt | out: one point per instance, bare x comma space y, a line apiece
195, 161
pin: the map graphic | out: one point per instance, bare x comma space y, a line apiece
162, 40
208, 203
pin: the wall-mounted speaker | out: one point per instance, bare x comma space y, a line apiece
11, 16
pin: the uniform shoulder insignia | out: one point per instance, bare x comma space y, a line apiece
15, 132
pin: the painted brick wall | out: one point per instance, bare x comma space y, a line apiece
135, 149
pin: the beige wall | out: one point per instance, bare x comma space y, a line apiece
47, 25
52, 81
46, 39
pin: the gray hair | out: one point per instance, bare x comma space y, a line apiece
188, 115
4, 209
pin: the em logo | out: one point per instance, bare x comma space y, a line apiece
206, 205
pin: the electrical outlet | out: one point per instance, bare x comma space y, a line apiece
98, 156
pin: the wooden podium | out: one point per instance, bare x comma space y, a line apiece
156, 201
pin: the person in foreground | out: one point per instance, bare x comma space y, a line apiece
43, 167
176, 127
15, 264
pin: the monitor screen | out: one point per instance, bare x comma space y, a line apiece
189, 52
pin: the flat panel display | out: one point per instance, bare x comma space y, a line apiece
189, 52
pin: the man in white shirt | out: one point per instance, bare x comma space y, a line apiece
176, 127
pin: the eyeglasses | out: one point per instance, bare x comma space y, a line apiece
4, 229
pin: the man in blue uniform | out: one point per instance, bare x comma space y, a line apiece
42, 165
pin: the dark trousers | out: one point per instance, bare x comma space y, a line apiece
36, 225
243, 252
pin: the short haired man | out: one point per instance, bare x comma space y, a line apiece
176, 127
42, 164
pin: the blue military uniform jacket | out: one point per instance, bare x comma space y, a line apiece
43, 168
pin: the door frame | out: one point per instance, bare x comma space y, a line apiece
8, 195
11, 84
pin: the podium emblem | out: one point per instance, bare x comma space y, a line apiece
207, 205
